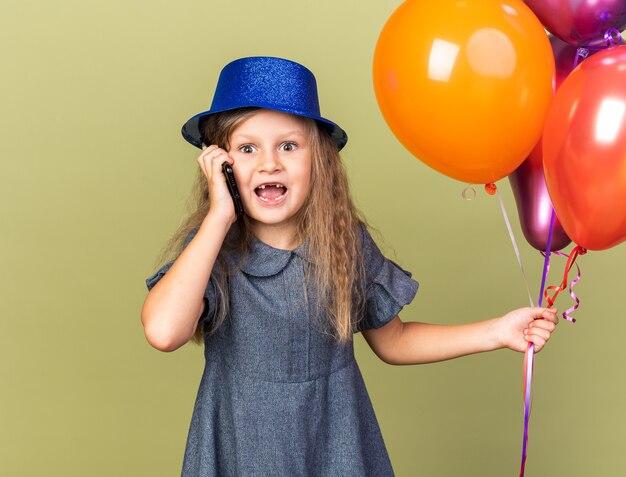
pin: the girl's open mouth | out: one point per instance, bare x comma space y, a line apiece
271, 193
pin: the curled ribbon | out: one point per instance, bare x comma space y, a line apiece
581, 54
567, 314
612, 37
571, 259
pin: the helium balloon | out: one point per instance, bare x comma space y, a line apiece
534, 206
580, 22
584, 151
465, 86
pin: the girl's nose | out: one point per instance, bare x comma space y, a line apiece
269, 161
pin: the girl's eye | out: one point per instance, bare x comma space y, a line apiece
247, 149
288, 146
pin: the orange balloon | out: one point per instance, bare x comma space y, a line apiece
465, 85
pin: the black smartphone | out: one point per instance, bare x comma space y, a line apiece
232, 188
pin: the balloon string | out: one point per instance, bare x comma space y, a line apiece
546, 261
515, 247
529, 360
528, 379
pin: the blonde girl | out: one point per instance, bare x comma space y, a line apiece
277, 294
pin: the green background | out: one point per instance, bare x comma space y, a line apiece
95, 176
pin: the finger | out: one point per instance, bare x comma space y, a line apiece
216, 164
538, 333
537, 336
213, 153
544, 314
218, 158
222, 156
550, 315
208, 152
538, 342
543, 324
200, 161
208, 159
202, 157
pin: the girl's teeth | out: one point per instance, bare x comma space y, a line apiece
265, 199
278, 186
269, 199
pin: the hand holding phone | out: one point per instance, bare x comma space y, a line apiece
232, 188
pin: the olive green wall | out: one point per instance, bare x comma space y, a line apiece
94, 180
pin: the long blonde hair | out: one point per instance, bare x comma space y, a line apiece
328, 222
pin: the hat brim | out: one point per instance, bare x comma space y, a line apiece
192, 129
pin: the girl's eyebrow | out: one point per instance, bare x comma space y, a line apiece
295, 132
252, 137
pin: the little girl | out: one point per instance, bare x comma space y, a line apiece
277, 294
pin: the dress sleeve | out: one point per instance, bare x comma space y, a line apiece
210, 293
388, 287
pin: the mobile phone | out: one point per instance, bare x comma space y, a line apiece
232, 188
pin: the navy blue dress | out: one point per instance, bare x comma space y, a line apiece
279, 396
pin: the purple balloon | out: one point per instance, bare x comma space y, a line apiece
565, 58
528, 182
580, 22
534, 205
